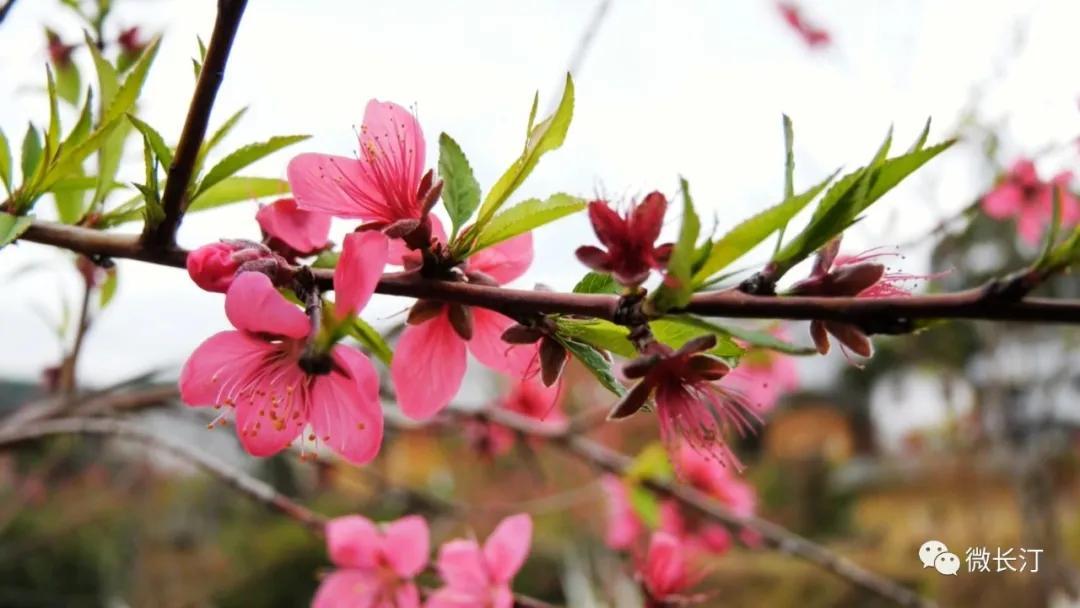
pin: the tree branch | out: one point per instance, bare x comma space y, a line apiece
878, 315
174, 199
237, 480
605, 459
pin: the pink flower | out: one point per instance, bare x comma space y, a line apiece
375, 568
1022, 195
693, 409
812, 35
477, 577
385, 187
429, 363
301, 232
258, 371
630, 240
666, 570
623, 525
213, 267
763, 376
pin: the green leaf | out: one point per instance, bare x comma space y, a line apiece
69, 83
526, 216
243, 157
108, 288
237, 189
595, 362
52, 134
12, 226
597, 282
1064, 255
31, 153
108, 79
86, 122
921, 140
461, 192
678, 285
542, 138
371, 340
70, 200
650, 463
644, 503
5, 162
216, 138
598, 333
789, 173
747, 235
678, 330
157, 142
153, 211
752, 337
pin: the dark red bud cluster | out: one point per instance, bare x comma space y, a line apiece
630, 240
553, 354
59, 53
690, 364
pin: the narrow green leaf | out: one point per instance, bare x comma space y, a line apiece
5, 162
70, 201
69, 83
216, 138
595, 362
108, 288
236, 189
650, 463
461, 192
789, 173
31, 153
747, 235
52, 134
128, 211
542, 138
752, 337
894, 170
597, 282
678, 330
108, 79
598, 333
12, 226
678, 285
921, 140
157, 142
366, 335
243, 157
82, 127
526, 216
153, 212
645, 504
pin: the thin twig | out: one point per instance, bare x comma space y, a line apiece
241, 482
603, 458
883, 314
174, 198
68, 377
4, 10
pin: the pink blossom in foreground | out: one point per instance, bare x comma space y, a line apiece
630, 239
429, 363
812, 35
256, 370
214, 266
666, 572
301, 232
763, 376
386, 186
694, 410
476, 576
375, 568
1028, 199
623, 525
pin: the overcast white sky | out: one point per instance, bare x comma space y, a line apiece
693, 88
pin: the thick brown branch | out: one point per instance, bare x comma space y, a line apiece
237, 480
882, 315
174, 199
785, 541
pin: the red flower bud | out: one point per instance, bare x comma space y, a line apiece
59, 53
630, 240
129, 41
214, 266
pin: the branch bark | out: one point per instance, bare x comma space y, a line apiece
174, 199
881, 315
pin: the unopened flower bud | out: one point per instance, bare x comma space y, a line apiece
214, 266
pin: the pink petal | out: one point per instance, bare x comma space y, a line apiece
345, 411
1030, 225
400, 254
1004, 201
508, 546
487, 345
253, 305
461, 566
665, 565
714, 538
407, 596
304, 231
346, 589
448, 597
506, 261
501, 597
334, 185
428, 366
363, 257
623, 525
394, 134
223, 360
272, 410
352, 542
406, 545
